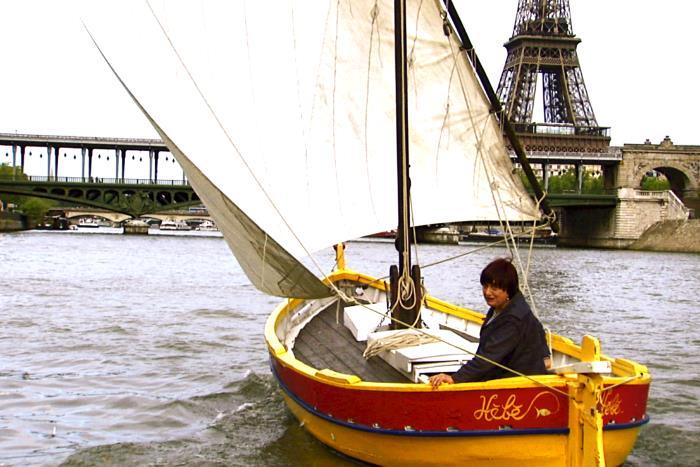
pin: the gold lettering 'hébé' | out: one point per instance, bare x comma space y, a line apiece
492, 409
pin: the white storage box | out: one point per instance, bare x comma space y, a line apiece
428, 358
365, 319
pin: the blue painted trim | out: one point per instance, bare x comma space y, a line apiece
624, 426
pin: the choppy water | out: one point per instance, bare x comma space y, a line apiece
129, 350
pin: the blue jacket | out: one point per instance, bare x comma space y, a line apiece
515, 339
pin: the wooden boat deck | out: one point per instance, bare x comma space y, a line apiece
325, 343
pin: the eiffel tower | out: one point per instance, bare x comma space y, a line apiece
543, 43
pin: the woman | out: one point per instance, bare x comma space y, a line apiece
511, 334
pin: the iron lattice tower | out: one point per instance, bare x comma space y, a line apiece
543, 43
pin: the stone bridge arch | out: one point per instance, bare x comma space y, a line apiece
680, 164
682, 184
77, 213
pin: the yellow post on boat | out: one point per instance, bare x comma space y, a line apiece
585, 417
340, 255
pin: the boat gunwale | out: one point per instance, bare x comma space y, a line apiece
632, 372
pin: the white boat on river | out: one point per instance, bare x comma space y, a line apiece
174, 225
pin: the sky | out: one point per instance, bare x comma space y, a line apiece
635, 55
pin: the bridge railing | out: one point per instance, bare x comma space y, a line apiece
92, 180
603, 192
675, 205
613, 154
561, 129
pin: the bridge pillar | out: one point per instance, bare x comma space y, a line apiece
56, 151
155, 166
82, 162
117, 154
579, 177
135, 227
90, 154
22, 152
14, 161
609, 177
123, 162
545, 176
48, 161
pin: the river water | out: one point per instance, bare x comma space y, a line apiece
148, 350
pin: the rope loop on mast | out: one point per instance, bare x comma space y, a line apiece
446, 27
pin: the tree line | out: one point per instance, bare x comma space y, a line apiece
591, 184
34, 208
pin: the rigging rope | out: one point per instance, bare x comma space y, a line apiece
499, 203
407, 286
404, 338
414, 335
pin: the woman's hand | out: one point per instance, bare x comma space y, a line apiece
437, 380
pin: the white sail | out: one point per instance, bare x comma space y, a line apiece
282, 114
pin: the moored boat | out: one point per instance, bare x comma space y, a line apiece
492, 235
389, 234
446, 235
170, 224
207, 226
88, 223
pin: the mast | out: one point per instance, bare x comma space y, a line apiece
403, 243
404, 278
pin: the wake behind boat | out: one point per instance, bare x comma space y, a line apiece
332, 120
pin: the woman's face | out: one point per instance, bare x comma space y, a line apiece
495, 296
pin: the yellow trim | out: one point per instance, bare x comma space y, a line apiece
623, 369
335, 377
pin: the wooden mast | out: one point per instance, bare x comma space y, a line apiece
404, 278
403, 244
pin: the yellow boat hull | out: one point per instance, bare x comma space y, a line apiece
563, 420
390, 450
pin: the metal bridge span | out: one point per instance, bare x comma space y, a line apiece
132, 197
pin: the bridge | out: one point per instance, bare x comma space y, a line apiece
564, 200
621, 215
132, 197
185, 215
21, 149
122, 154
680, 164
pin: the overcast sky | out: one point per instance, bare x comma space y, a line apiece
637, 58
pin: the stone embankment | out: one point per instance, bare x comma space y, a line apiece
10, 221
677, 235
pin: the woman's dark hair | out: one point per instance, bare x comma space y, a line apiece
502, 274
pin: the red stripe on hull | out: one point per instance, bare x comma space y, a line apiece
521, 409
624, 404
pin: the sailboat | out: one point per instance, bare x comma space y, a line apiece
302, 125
